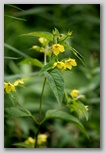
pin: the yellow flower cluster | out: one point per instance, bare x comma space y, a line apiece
57, 48
42, 138
11, 87
64, 65
74, 93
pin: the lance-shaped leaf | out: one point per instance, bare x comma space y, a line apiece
46, 67
56, 83
31, 61
16, 112
57, 114
12, 58
75, 52
46, 35
14, 17
23, 145
82, 108
15, 50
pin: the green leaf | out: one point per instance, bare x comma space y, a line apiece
15, 50
23, 145
33, 11
15, 17
16, 76
56, 83
55, 32
75, 52
13, 101
31, 61
56, 114
81, 106
46, 35
12, 58
14, 7
16, 112
46, 67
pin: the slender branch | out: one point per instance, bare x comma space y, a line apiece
40, 108
36, 137
44, 57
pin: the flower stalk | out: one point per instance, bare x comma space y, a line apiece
40, 107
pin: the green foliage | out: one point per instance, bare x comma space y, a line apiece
23, 145
78, 105
56, 83
46, 35
13, 111
82, 59
31, 61
15, 50
46, 67
65, 116
78, 30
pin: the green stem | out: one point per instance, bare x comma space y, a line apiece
40, 108
40, 111
36, 137
44, 57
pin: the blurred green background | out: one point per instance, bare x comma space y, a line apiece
84, 21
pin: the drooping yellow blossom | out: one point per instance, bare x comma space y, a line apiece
9, 87
74, 93
59, 65
69, 63
30, 140
57, 48
19, 81
43, 41
42, 138
86, 107
37, 48
64, 65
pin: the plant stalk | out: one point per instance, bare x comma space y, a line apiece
40, 107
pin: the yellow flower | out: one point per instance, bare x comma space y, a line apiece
74, 93
70, 62
57, 48
43, 41
86, 107
19, 81
59, 65
42, 138
30, 140
9, 87
37, 48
